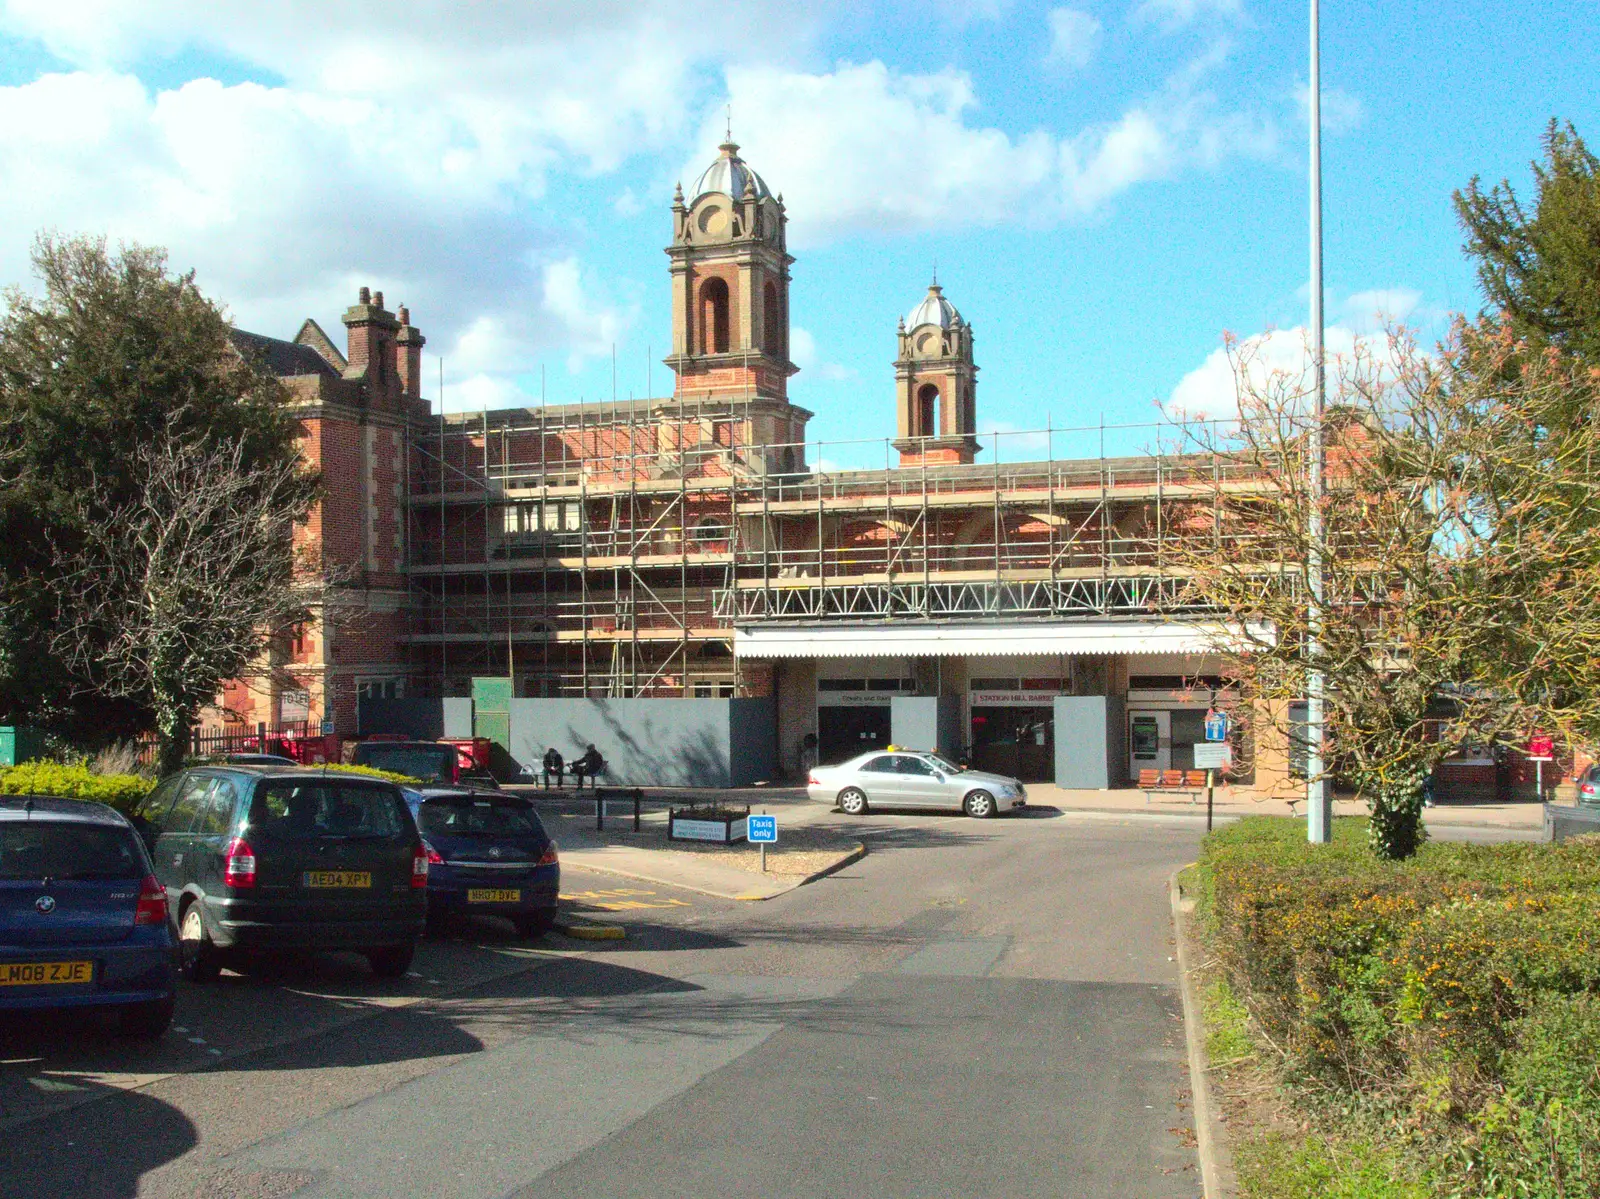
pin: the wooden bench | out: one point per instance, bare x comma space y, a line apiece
1190, 783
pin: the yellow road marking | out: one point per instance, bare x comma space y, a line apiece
621, 899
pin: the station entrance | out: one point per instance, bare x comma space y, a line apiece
843, 732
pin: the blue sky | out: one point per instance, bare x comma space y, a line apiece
1105, 187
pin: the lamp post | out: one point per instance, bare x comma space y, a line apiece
1319, 799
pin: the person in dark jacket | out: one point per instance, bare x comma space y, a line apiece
553, 764
591, 764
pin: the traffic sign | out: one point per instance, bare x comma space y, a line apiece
1213, 756
762, 830
1216, 725
327, 728
1541, 747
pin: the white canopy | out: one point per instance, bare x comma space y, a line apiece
1021, 637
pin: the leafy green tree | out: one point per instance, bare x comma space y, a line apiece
113, 361
1541, 269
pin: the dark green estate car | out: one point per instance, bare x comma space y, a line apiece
281, 858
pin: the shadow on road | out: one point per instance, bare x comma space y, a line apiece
102, 1154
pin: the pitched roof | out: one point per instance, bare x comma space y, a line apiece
283, 358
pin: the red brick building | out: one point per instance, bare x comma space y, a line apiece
690, 545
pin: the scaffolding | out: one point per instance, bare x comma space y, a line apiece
610, 549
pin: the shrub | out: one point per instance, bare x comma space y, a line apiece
1458, 991
120, 791
370, 772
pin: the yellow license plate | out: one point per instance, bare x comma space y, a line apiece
488, 895
45, 974
337, 878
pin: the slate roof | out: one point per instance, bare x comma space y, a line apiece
283, 358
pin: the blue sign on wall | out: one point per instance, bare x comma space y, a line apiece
1216, 726
762, 830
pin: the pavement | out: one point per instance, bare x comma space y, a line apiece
975, 1007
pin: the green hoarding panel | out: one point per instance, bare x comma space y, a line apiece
491, 694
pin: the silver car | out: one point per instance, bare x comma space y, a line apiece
911, 779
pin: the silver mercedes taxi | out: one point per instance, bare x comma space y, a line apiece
900, 778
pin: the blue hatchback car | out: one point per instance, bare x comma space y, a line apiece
83, 921
488, 854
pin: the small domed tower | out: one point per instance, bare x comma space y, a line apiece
936, 385
730, 285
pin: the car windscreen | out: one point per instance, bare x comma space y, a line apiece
40, 849
308, 809
426, 762
477, 816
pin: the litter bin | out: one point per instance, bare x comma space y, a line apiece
19, 745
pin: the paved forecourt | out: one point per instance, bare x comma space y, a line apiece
984, 1007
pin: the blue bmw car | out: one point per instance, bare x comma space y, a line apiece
83, 921
488, 854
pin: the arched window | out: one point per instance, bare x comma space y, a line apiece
927, 411
772, 322
714, 317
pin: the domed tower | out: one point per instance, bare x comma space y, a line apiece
936, 384
730, 285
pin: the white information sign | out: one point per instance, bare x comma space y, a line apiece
1213, 755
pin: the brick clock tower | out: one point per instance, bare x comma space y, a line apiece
730, 286
935, 385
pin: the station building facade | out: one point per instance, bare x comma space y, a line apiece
686, 547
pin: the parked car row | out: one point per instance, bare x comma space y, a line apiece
222, 862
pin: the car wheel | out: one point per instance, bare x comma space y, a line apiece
532, 927
853, 801
392, 961
197, 955
147, 1021
980, 805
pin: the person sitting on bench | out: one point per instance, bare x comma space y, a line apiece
553, 764
591, 764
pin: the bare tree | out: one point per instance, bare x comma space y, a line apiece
187, 582
1398, 637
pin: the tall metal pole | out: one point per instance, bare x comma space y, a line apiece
1319, 797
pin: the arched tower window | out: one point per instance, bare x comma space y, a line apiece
927, 410
772, 321
714, 317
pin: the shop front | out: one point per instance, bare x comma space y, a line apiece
1013, 726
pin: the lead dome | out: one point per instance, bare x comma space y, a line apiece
728, 176
934, 310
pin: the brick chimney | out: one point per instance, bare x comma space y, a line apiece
372, 331
409, 358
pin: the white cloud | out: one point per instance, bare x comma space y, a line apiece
1370, 310
1074, 36
406, 152
866, 147
1172, 15
594, 327
803, 352
1342, 111
1211, 390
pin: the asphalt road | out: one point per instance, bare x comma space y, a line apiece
977, 1007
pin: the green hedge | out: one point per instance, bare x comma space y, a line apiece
1453, 989
120, 791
